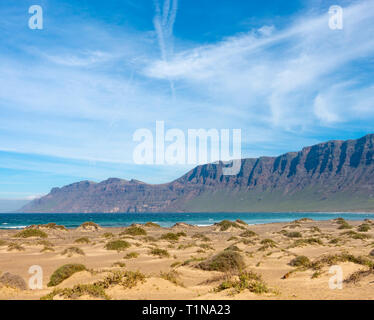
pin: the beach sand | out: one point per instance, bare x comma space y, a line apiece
178, 271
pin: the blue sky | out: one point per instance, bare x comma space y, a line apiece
72, 94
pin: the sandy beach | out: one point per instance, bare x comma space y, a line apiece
228, 260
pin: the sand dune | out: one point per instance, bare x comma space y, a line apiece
150, 262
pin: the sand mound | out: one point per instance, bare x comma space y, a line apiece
13, 281
228, 226
218, 228
49, 227
182, 225
139, 225
89, 227
153, 288
82, 277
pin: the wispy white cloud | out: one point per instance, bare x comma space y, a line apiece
82, 59
85, 101
164, 23
277, 74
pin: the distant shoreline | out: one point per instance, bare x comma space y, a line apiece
113, 220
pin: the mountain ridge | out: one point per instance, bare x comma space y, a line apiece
337, 175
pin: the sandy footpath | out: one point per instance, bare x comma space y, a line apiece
230, 260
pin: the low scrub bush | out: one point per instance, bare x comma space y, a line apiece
27, 233
64, 272
131, 255
300, 261
82, 240
134, 231
246, 281
226, 224
224, 261
162, 253
117, 245
248, 234
73, 250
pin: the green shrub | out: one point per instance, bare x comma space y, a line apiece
119, 264
248, 242
300, 261
233, 238
172, 276
134, 231
108, 235
226, 224
64, 272
343, 224
247, 281
223, 261
89, 225
317, 274
248, 234
46, 248
308, 241
241, 222
187, 245
192, 259
45, 243
355, 235
175, 264
356, 276
294, 234
118, 245
201, 237
159, 252
127, 279
15, 246
95, 290
232, 248
53, 226
152, 225
82, 240
364, 227
267, 244
335, 241
131, 255
315, 229
72, 250
330, 260
26, 233
181, 234
303, 220
131, 279
170, 236
149, 239
206, 246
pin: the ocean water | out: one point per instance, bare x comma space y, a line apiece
73, 220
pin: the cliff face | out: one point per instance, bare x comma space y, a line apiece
331, 176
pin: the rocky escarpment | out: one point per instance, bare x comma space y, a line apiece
331, 176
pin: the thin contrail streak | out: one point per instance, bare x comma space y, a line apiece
164, 22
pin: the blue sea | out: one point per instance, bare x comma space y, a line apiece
73, 220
